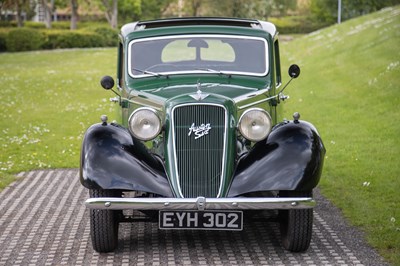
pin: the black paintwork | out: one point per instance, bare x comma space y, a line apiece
112, 159
291, 158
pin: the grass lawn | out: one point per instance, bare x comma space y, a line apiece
47, 101
349, 88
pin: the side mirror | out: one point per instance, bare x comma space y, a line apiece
294, 71
107, 82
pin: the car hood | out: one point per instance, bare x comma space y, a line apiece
231, 91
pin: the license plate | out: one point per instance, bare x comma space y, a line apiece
204, 220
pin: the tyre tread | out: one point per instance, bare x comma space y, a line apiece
296, 227
103, 225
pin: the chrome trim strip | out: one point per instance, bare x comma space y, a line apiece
206, 203
250, 95
267, 66
146, 99
257, 102
224, 147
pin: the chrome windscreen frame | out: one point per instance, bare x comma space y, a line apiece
130, 72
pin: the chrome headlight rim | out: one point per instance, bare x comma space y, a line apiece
248, 136
158, 126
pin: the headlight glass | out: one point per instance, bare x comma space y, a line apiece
144, 124
255, 124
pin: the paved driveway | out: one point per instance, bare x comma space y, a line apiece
43, 222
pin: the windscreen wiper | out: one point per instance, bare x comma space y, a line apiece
146, 72
214, 71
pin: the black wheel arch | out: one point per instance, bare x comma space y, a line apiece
291, 158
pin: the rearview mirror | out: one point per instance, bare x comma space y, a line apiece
294, 71
107, 82
198, 43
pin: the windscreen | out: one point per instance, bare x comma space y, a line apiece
198, 53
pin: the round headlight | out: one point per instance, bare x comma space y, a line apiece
144, 124
255, 124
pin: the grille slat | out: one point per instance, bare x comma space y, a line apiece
199, 159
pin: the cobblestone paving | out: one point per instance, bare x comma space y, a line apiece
43, 222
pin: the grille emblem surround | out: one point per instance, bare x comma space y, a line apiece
196, 171
199, 95
199, 131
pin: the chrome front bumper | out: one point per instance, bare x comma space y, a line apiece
200, 203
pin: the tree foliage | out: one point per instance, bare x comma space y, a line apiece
129, 10
261, 9
327, 10
121, 11
111, 12
19, 6
118, 12
153, 9
241, 8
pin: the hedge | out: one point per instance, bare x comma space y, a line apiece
58, 25
3, 36
71, 39
109, 35
296, 24
27, 39
34, 36
24, 39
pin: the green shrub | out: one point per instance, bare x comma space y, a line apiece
72, 39
296, 24
92, 24
109, 35
23, 39
34, 25
58, 25
8, 24
61, 25
3, 36
51, 39
34, 36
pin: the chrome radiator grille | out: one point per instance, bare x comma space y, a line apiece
199, 132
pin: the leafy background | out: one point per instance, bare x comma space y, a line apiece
348, 88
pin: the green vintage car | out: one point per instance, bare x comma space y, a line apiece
201, 140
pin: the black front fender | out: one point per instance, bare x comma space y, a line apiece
112, 159
291, 158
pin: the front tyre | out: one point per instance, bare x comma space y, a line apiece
103, 224
296, 225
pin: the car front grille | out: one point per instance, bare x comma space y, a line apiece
199, 143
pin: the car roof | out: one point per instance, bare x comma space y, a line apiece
199, 21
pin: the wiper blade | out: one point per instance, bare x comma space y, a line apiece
214, 71
154, 74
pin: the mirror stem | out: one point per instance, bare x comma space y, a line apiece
116, 93
284, 87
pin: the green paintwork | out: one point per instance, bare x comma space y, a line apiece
168, 31
225, 89
230, 153
235, 93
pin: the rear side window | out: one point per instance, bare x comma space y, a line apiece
278, 76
